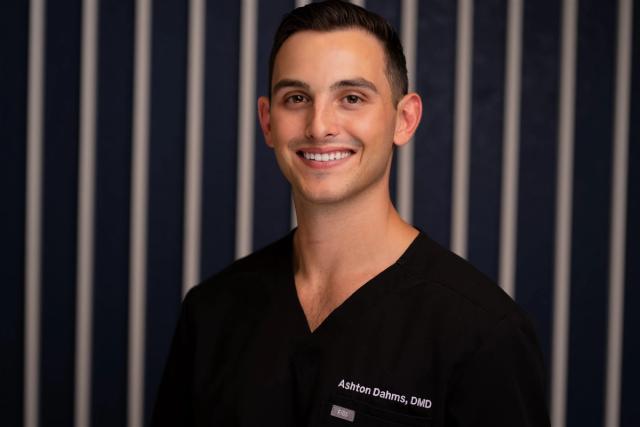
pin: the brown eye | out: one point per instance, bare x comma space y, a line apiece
296, 99
352, 99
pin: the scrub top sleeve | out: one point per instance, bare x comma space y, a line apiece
502, 384
174, 403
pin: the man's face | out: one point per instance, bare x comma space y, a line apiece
331, 119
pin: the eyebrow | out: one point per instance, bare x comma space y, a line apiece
298, 84
290, 83
359, 83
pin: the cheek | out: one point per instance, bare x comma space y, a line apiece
373, 125
374, 136
285, 132
284, 163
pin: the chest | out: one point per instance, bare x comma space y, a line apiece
319, 300
368, 359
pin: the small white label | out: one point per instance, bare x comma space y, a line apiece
343, 413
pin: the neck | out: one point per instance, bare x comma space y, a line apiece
350, 240
339, 247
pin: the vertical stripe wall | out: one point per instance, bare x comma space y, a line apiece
537, 167
132, 167
114, 121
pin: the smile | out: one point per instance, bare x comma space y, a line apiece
325, 157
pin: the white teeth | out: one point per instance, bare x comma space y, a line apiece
326, 157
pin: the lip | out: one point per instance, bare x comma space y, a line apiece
314, 164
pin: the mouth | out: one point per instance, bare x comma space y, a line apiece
324, 157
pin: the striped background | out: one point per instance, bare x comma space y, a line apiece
131, 167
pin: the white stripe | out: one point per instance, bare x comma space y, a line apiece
138, 230
246, 127
360, 3
618, 214
562, 267
406, 153
86, 201
33, 213
294, 218
511, 147
461, 131
193, 165
300, 3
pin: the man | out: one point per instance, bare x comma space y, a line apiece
355, 317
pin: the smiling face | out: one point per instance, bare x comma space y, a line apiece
331, 119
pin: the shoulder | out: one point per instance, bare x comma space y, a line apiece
480, 326
465, 296
249, 277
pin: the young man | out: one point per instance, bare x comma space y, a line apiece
356, 317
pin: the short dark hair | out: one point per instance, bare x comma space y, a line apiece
335, 14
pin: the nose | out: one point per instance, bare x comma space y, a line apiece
321, 121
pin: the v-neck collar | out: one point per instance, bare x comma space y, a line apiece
374, 287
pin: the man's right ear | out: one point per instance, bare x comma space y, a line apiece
264, 115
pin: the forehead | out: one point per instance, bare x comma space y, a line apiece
316, 57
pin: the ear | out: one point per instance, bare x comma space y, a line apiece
264, 115
408, 114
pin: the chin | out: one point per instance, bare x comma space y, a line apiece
322, 195
322, 198
334, 195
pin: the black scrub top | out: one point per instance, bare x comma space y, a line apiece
429, 341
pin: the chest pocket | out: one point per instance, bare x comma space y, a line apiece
344, 411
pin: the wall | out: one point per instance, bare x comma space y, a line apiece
132, 167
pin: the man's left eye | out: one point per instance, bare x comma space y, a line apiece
352, 99
296, 99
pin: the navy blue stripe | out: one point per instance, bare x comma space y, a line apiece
59, 216
391, 11
630, 410
485, 175
220, 136
434, 139
14, 25
537, 174
591, 211
272, 196
113, 182
166, 185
